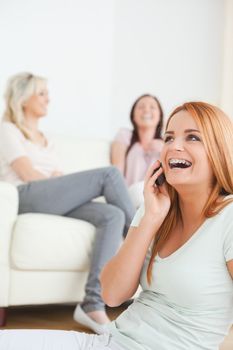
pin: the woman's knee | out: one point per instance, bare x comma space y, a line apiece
113, 171
113, 214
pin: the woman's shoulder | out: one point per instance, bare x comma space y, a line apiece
8, 129
226, 227
226, 213
229, 202
123, 135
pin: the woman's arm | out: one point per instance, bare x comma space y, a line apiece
22, 166
118, 152
230, 267
120, 276
12, 143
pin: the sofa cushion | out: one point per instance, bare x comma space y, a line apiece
78, 155
49, 242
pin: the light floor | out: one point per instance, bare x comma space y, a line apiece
60, 317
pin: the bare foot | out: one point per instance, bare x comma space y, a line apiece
99, 316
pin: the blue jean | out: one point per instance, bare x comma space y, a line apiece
71, 195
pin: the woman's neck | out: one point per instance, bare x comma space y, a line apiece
146, 135
191, 207
31, 123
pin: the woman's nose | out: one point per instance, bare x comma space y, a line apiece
146, 109
178, 144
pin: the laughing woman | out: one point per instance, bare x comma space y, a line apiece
179, 248
132, 152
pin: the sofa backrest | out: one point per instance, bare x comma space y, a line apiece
82, 154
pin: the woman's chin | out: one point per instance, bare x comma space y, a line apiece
42, 115
177, 181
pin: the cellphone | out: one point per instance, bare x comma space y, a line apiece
161, 179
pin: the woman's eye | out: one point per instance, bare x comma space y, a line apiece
43, 93
193, 138
168, 139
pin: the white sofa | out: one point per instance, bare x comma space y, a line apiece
45, 258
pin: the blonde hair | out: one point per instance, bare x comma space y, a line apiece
20, 88
216, 130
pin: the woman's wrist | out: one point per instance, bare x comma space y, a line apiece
153, 219
151, 223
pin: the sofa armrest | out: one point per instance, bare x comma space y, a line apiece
8, 215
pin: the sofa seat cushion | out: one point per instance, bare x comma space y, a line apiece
50, 242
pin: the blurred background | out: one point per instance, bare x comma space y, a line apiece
99, 56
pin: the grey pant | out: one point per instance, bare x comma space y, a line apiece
71, 195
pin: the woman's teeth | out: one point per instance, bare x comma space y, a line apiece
147, 117
179, 163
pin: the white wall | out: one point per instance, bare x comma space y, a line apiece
100, 55
171, 48
70, 42
227, 74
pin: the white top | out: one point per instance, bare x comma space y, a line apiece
13, 145
189, 304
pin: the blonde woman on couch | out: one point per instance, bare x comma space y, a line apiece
29, 161
179, 248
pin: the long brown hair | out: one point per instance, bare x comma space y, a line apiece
158, 130
216, 130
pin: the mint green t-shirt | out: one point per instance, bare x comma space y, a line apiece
189, 304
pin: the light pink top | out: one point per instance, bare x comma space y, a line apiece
13, 145
138, 160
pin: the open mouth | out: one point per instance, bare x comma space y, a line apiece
147, 117
179, 163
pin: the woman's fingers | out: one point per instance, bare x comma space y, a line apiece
152, 175
152, 180
152, 170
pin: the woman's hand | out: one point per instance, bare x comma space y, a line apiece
118, 152
157, 200
56, 173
